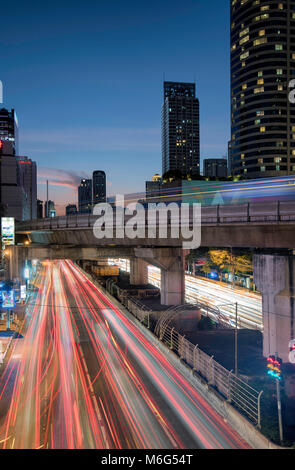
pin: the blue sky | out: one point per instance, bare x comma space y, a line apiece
86, 81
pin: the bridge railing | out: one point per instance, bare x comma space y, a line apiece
238, 392
263, 213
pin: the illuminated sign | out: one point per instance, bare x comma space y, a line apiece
7, 230
8, 300
23, 292
27, 273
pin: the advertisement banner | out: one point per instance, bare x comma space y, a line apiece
7, 231
8, 299
23, 292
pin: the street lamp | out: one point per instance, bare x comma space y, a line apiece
236, 333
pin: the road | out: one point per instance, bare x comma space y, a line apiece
82, 375
215, 293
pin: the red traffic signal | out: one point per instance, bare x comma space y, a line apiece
274, 367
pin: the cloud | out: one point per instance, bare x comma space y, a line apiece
56, 177
95, 138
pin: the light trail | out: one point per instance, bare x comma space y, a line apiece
84, 376
215, 294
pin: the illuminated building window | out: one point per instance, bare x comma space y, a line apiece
259, 90
260, 41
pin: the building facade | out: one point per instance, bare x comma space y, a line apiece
39, 209
18, 181
49, 209
262, 65
153, 188
215, 167
28, 181
85, 196
99, 186
180, 129
71, 209
9, 128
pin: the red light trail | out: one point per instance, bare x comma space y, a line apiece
83, 375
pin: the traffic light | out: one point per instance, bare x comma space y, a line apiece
274, 367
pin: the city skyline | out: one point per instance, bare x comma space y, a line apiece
123, 102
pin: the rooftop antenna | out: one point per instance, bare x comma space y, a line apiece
46, 198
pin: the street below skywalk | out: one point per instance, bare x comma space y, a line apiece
83, 375
215, 294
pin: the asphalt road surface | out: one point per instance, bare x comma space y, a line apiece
82, 375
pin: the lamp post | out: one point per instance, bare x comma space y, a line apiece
236, 332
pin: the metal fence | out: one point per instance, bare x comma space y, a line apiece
234, 389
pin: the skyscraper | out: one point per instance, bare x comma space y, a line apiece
9, 127
28, 181
180, 129
49, 208
262, 64
99, 186
18, 183
85, 196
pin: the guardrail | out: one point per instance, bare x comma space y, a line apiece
250, 213
235, 390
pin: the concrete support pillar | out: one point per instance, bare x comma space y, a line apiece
171, 261
172, 282
13, 263
138, 272
274, 275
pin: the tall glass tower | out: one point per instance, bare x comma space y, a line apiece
85, 196
180, 129
262, 65
99, 186
9, 127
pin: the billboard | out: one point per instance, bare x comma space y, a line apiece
8, 299
7, 231
23, 292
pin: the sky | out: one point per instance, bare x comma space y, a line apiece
86, 81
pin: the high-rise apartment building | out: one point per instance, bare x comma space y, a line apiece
9, 127
262, 65
99, 186
85, 196
180, 129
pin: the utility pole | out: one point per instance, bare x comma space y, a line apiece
279, 405
47, 212
236, 341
